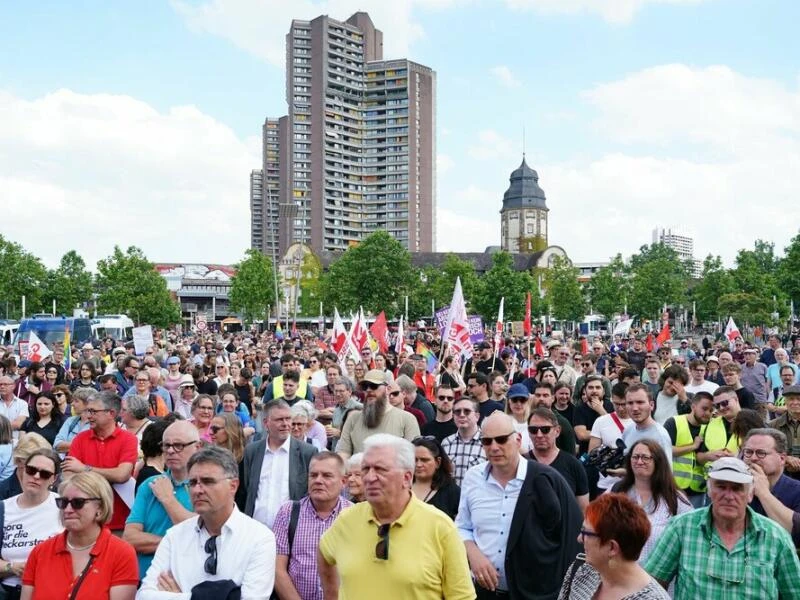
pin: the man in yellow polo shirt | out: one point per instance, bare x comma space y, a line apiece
393, 546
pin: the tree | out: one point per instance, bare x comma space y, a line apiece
376, 274
715, 281
755, 278
608, 288
440, 281
746, 308
70, 285
21, 274
128, 283
658, 277
788, 272
501, 280
253, 287
564, 293
310, 285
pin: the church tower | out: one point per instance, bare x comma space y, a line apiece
523, 218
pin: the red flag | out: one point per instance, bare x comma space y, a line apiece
584, 346
526, 324
537, 347
380, 332
649, 342
663, 335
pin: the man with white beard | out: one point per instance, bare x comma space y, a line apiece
378, 416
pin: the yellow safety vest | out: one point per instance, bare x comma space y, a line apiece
716, 439
277, 387
688, 474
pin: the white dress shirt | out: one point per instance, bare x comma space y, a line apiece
14, 409
485, 513
273, 484
245, 555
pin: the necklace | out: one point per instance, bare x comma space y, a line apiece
80, 548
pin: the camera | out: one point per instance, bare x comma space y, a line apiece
603, 458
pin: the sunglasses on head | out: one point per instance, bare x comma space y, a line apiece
545, 429
500, 439
43, 473
77, 503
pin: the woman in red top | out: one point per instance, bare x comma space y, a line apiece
85, 562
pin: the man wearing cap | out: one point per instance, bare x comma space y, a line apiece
776, 495
487, 362
789, 424
777, 402
378, 416
754, 378
713, 371
686, 351
125, 376
478, 389
726, 550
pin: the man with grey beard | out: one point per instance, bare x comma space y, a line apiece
378, 416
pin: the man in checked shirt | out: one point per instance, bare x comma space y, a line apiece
296, 574
464, 446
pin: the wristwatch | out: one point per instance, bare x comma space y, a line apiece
7, 567
87, 467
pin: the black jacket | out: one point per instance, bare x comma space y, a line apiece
543, 540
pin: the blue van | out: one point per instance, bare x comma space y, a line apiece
51, 330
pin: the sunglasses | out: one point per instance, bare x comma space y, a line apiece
368, 385
60, 395
210, 565
545, 429
520, 399
382, 547
77, 503
43, 473
722, 404
394, 394
500, 439
445, 398
215, 428
462, 412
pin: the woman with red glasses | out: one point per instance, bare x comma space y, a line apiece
30, 517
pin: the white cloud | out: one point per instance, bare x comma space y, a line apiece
91, 171
443, 163
504, 75
492, 145
259, 27
456, 231
613, 11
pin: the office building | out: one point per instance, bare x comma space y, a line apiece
356, 150
257, 229
683, 245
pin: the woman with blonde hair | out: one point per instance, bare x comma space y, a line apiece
227, 432
11, 486
59, 567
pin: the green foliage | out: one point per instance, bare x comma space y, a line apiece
310, 292
128, 283
440, 282
788, 272
70, 285
502, 281
657, 277
746, 308
609, 287
715, 281
564, 293
376, 274
253, 287
21, 274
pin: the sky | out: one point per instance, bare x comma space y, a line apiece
138, 123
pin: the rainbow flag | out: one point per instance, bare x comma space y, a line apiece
278, 332
67, 351
430, 357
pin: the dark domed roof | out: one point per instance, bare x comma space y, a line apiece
524, 191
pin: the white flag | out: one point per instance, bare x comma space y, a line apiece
37, 349
498, 328
623, 327
400, 339
456, 332
731, 330
339, 341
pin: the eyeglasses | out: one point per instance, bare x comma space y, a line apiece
586, 533
138, 380
205, 408
210, 565
645, 458
205, 481
544, 429
176, 446
445, 398
749, 452
722, 404
500, 439
43, 473
77, 503
93, 411
299, 425
368, 385
382, 547
459, 412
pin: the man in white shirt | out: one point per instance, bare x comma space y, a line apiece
697, 378
607, 429
219, 549
12, 408
276, 467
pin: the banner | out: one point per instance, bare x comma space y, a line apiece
476, 334
142, 338
623, 327
37, 349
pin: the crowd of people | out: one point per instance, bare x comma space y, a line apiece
247, 466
